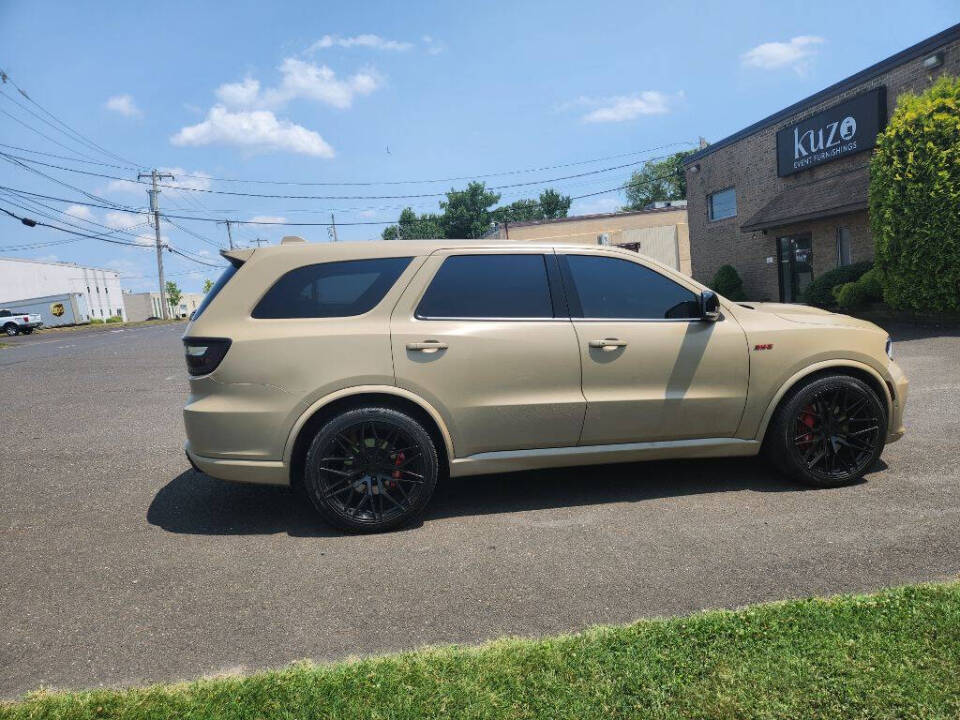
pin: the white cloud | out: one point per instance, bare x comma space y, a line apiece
257, 130
124, 105
775, 55
241, 94
367, 40
118, 220
268, 219
432, 46
301, 80
79, 211
628, 107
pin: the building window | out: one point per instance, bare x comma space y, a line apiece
844, 255
722, 204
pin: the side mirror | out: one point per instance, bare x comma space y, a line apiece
709, 306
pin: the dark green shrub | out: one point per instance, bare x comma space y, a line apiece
915, 200
820, 291
850, 295
114, 319
96, 321
871, 285
727, 282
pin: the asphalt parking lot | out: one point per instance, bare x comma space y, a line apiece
120, 565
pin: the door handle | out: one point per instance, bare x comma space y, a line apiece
428, 346
608, 344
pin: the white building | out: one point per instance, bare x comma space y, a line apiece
140, 306
21, 279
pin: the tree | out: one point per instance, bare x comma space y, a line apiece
174, 296
207, 285
551, 205
727, 282
411, 226
661, 180
466, 213
915, 200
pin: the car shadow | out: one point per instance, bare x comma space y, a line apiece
193, 503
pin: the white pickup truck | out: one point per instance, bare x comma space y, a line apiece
16, 323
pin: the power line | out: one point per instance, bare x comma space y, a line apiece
5, 78
37, 223
439, 180
67, 157
546, 181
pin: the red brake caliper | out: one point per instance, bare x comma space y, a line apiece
806, 417
396, 473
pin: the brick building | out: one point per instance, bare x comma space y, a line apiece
786, 198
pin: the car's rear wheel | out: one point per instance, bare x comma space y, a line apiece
827, 432
371, 469
11, 329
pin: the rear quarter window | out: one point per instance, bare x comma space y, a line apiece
334, 289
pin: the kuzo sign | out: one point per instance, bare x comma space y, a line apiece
842, 130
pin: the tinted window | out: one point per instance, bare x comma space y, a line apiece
489, 286
214, 291
605, 287
336, 289
723, 204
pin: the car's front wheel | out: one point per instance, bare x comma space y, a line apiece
371, 469
827, 432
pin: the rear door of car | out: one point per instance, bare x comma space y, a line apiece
652, 369
483, 335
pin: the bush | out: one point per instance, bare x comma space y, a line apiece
727, 282
857, 294
820, 291
114, 319
915, 200
850, 295
96, 321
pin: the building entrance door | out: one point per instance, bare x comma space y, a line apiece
795, 255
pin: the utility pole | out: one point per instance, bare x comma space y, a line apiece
260, 241
333, 228
229, 234
154, 193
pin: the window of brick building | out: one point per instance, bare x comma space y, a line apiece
844, 254
722, 204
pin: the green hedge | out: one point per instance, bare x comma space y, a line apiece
820, 291
915, 200
727, 282
855, 294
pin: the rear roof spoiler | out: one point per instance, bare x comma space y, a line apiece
237, 257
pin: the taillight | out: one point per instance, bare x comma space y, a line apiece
204, 354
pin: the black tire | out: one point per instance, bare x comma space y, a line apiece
827, 432
11, 329
371, 469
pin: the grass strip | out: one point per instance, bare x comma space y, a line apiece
893, 654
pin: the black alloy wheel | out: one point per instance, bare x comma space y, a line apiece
829, 432
371, 469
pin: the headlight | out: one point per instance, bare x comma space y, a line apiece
890, 348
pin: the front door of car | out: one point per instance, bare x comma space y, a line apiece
483, 336
652, 369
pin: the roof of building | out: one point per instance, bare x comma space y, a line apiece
911, 53
598, 216
837, 194
59, 264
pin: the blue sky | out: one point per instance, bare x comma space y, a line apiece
370, 92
